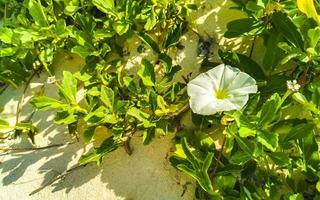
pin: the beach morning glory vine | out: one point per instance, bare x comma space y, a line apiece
222, 88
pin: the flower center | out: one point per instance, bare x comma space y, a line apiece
221, 94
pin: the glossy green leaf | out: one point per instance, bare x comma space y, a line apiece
140, 116
269, 140
243, 62
299, 131
6, 35
107, 97
88, 134
148, 135
173, 36
279, 158
146, 73
241, 27
239, 158
284, 25
106, 6
36, 11
121, 27
273, 53
269, 110
149, 41
314, 36
46, 103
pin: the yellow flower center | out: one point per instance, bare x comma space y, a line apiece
221, 94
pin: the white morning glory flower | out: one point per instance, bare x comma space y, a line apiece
222, 88
293, 85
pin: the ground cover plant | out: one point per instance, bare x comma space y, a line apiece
268, 114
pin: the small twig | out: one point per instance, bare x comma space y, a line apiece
213, 173
14, 150
58, 177
252, 46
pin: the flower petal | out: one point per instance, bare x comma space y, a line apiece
242, 84
223, 74
223, 78
239, 101
201, 85
224, 105
203, 104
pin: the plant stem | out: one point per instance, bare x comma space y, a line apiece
285, 96
213, 173
32, 148
252, 46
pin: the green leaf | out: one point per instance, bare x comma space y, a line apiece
106, 6
294, 197
314, 36
107, 97
241, 27
90, 157
121, 107
88, 134
284, 25
318, 186
226, 182
244, 143
243, 62
148, 40
151, 21
140, 116
6, 35
190, 156
81, 51
200, 168
207, 162
273, 53
107, 146
36, 11
146, 73
153, 100
269, 110
245, 132
269, 140
148, 135
69, 87
173, 36
240, 158
121, 27
8, 51
166, 62
279, 158
46, 103
299, 131
310, 149
65, 117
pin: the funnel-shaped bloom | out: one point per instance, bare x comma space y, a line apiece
222, 88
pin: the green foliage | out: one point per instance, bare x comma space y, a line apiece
273, 139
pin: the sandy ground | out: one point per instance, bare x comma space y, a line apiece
145, 175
